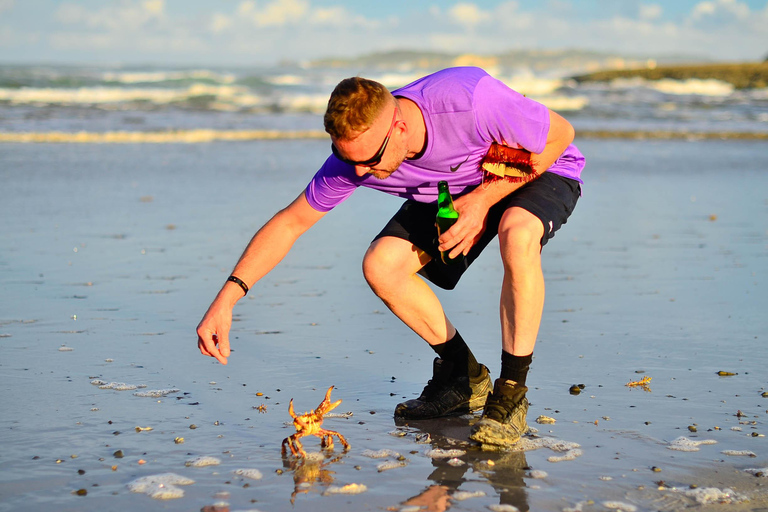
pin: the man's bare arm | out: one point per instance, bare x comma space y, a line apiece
265, 250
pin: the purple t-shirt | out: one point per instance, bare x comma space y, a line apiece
465, 110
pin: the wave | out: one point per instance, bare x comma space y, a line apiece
160, 137
197, 96
143, 77
203, 135
691, 86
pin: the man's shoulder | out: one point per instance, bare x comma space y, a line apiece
449, 78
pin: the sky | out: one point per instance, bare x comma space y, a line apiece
264, 32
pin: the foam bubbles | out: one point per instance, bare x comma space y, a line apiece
569, 455
569, 450
391, 464
253, 474
438, 453
156, 393
705, 495
346, 489
380, 454
201, 462
503, 507
465, 495
739, 453
618, 505
683, 444
160, 487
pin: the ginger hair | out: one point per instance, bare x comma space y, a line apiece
354, 105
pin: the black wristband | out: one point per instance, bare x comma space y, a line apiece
239, 282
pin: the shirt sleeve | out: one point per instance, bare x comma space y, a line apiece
507, 117
332, 184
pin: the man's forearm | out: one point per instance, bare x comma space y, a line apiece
269, 246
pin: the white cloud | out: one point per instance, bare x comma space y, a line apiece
278, 13
220, 22
123, 16
271, 30
721, 8
469, 15
650, 11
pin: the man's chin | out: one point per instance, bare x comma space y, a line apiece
382, 175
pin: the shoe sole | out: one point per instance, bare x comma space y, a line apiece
492, 434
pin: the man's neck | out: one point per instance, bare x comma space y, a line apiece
417, 129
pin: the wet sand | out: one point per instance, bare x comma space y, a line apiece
111, 254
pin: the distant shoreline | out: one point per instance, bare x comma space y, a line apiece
748, 75
204, 136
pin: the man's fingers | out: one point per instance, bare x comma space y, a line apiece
217, 352
224, 344
207, 344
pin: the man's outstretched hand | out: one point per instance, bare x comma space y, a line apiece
213, 332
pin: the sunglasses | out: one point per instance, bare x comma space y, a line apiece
376, 159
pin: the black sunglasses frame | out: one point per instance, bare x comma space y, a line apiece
376, 159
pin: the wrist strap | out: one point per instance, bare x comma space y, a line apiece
239, 282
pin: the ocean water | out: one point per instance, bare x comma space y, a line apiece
112, 252
44, 99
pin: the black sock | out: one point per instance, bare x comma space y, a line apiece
515, 367
457, 352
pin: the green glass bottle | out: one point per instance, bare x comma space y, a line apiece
446, 217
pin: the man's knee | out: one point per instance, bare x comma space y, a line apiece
386, 261
520, 234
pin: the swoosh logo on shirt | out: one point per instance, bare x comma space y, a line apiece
454, 169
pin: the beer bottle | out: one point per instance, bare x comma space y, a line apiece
446, 217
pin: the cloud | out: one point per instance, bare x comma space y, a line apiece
280, 13
650, 11
719, 9
266, 31
123, 16
469, 15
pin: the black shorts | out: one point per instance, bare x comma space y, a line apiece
550, 197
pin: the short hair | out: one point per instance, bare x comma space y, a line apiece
354, 105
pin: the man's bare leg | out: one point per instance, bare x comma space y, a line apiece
390, 266
522, 291
521, 306
459, 384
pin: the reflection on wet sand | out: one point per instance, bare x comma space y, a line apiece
504, 470
310, 474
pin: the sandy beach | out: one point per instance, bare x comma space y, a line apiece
111, 254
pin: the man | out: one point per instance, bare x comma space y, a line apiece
513, 172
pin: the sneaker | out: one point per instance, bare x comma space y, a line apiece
446, 394
503, 421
